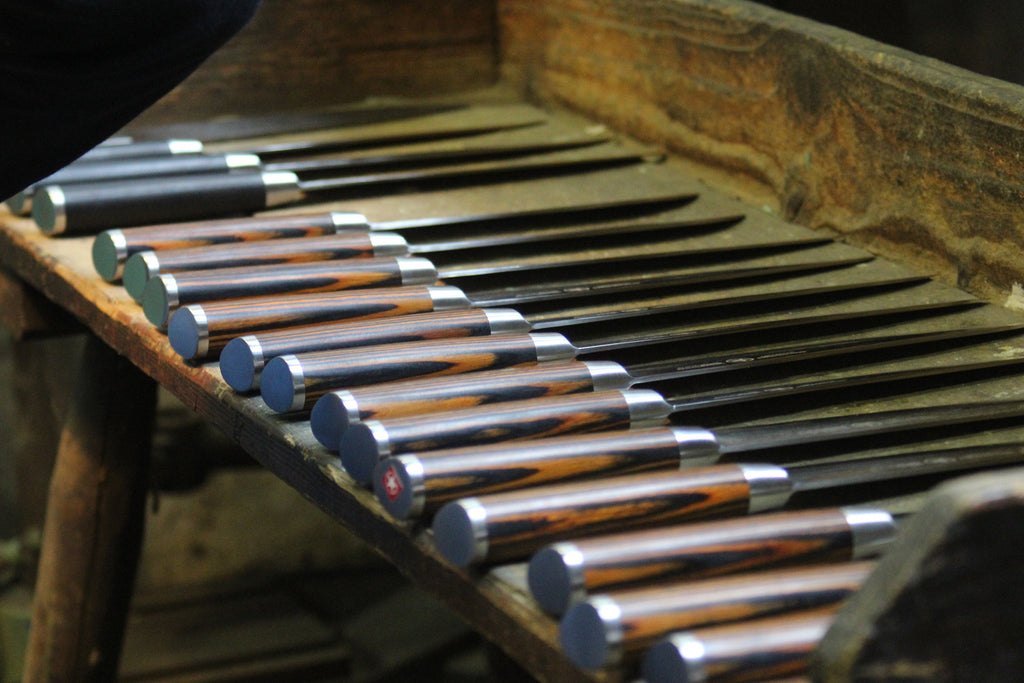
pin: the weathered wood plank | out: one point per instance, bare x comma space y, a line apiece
902, 154
927, 613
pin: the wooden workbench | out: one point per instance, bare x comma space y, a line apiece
562, 53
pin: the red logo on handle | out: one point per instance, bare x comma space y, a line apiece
392, 484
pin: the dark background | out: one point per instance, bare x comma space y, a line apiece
985, 36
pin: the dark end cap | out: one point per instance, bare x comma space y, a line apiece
397, 486
183, 333
108, 254
48, 210
584, 636
458, 528
155, 302
664, 663
138, 270
240, 360
551, 577
361, 447
21, 203
278, 382
329, 418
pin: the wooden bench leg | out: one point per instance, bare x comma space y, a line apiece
94, 522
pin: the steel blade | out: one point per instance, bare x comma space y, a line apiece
816, 476
584, 287
569, 260
715, 399
669, 370
618, 344
800, 432
484, 172
437, 156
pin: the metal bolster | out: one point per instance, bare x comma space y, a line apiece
552, 346
695, 444
448, 298
872, 530
505, 320
282, 187
416, 271
770, 486
606, 375
234, 161
388, 244
184, 146
646, 405
349, 220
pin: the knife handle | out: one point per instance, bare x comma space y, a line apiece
90, 207
112, 248
365, 444
295, 382
198, 330
336, 411
773, 648
615, 628
152, 167
515, 524
413, 485
564, 573
138, 149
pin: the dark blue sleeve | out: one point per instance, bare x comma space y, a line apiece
73, 72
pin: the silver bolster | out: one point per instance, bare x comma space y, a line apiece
202, 330
349, 220
606, 375
770, 486
184, 146
388, 244
646, 405
282, 187
872, 530
552, 346
695, 444
416, 271
447, 298
241, 161
476, 513
505, 320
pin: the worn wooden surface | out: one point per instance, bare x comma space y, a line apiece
494, 601
94, 522
300, 54
899, 153
945, 603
